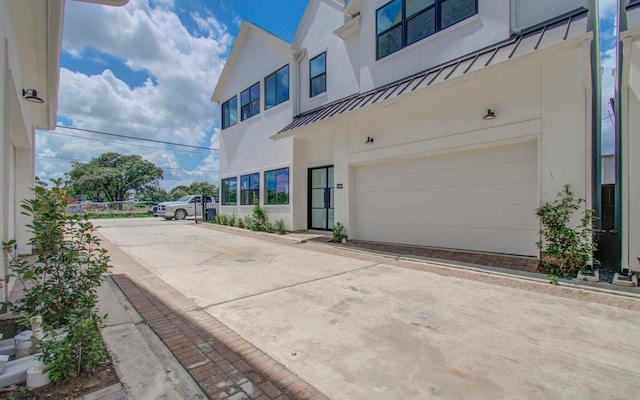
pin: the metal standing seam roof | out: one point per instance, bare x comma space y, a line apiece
536, 38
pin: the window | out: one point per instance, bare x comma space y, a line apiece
277, 186
250, 102
230, 112
249, 189
229, 191
400, 23
318, 75
276, 87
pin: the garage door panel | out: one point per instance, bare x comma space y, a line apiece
511, 217
511, 194
460, 195
483, 239
488, 174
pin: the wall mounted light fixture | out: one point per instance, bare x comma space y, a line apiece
32, 96
369, 140
489, 116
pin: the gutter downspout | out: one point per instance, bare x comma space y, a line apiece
514, 27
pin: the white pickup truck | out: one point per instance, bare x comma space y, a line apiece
187, 206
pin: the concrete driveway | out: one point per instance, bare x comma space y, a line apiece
367, 327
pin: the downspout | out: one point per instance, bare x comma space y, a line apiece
514, 23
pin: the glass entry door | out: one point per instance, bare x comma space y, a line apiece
321, 198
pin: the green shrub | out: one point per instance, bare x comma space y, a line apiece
81, 351
565, 250
60, 283
259, 218
339, 232
231, 221
280, 227
240, 222
247, 221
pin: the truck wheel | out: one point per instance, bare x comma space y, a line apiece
181, 214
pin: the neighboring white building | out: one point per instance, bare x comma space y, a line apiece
442, 123
628, 133
31, 33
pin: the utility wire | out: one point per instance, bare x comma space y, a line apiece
125, 143
136, 138
176, 169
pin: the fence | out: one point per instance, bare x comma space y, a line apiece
110, 208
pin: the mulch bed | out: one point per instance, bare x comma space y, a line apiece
105, 376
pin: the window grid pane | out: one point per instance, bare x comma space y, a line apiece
229, 112
277, 186
276, 87
249, 189
229, 191
250, 102
401, 23
318, 75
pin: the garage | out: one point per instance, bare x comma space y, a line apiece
481, 200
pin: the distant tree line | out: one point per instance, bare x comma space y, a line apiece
112, 176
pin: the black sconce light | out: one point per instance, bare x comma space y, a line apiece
489, 116
369, 140
32, 96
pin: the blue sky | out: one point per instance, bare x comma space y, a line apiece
148, 69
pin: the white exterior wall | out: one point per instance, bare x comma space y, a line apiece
630, 141
16, 139
316, 36
246, 147
529, 13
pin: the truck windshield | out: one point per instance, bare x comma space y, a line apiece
184, 199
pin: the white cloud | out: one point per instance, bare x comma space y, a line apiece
172, 105
607, 8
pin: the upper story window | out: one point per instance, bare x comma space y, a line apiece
250, 102
276, 87
249, 189
230, 112
229, 191
400, 23
318, 74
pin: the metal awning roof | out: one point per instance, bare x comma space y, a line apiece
539, 37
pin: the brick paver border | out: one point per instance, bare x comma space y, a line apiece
221, 362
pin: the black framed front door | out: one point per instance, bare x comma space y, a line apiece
321, 198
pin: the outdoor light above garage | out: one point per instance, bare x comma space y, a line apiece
32, 96
489, 116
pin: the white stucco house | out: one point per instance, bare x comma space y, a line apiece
31, 32
628, 133
441, 123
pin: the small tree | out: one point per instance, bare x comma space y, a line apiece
60, 283
566, 250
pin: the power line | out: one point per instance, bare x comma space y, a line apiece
124, 143
176, 169
135, 138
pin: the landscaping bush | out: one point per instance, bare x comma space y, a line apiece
339, 232
60, 283
566, 250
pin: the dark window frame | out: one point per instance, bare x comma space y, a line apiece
406, 20
253, 103
225, 193
277, 88
281, 198
252, 193
322, 75
226, 105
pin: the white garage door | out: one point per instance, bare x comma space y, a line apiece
481, 200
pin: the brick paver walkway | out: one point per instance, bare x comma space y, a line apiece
225, 366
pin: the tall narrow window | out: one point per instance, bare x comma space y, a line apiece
318, 75
400, 23
230, 112
229, 191
276, 87
276, 186
250, 102
249, 189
